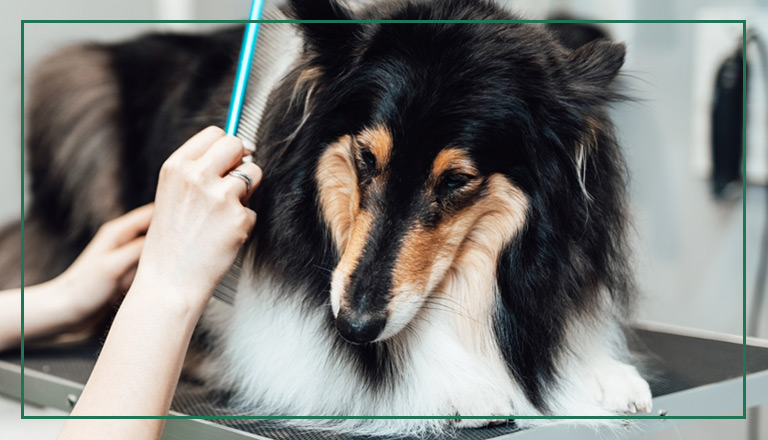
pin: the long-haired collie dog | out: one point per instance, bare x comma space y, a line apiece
441, 220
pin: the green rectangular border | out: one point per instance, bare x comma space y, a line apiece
744, 218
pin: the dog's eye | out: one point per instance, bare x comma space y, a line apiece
369, 160
453, 183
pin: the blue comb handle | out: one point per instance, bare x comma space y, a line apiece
244, 68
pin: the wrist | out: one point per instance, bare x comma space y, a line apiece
62, 295
186, 300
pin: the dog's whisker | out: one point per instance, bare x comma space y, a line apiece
443, 308
324, 269
445, 299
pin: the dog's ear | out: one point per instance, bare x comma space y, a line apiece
329, 42
592, 69
529, 316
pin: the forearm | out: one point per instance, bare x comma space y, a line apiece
139, 366
47, 310
198, 225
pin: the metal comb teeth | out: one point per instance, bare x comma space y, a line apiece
276, 51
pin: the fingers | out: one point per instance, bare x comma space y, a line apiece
237, 185
248, 146
122, 259
125, 228
198, 144
214, 152
251, 218
136, 221
223, 155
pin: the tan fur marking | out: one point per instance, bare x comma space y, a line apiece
415, 261
379, 141
456, 262
471, 281
309, 75
452, 159
337, 180
339, 199
338, 192
357, 240
306, 82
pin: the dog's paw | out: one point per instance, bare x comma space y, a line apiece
479, 405
477, 423
619, 388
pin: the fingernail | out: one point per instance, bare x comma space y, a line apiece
249, 145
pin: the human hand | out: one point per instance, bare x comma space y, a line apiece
106, 266
200, 221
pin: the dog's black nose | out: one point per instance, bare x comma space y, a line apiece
359, 328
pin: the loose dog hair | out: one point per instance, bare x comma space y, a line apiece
441, 219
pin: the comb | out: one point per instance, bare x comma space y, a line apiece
278, 43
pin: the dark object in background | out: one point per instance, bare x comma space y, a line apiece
727, 125
575, 35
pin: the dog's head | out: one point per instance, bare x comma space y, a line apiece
438, 144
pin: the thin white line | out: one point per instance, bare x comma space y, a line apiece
698, 333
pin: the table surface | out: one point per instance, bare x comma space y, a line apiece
673, 363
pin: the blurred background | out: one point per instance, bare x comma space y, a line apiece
687, 207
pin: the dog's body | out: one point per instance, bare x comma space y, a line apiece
440, 222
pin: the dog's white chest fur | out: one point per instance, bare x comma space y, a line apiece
280, 360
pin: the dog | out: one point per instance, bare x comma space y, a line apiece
441, 220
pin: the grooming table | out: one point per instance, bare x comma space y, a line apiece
691, 374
